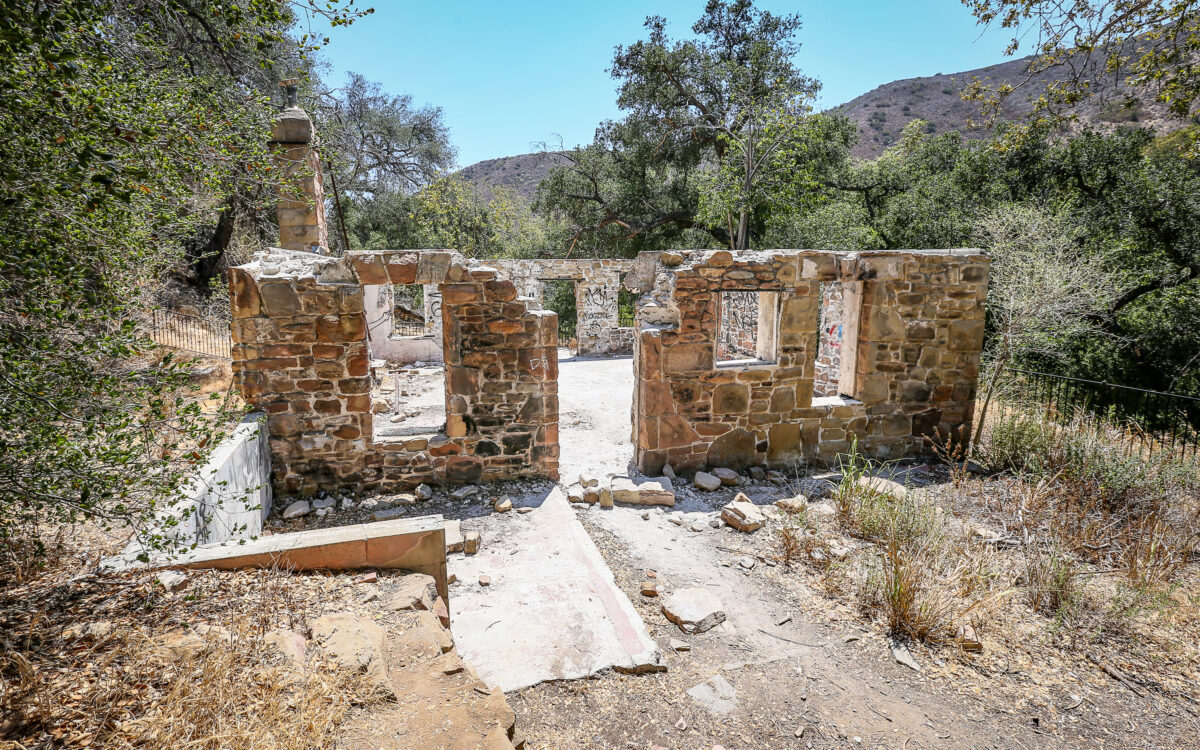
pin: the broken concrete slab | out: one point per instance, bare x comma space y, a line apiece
657, 491
413, 544
715, 695
454, 536
354, 643
553, 610
694, 610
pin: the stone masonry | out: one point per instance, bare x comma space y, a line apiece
301, 211
300, 354
597, 282
912, 334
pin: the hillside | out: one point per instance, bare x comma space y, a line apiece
521, 173
882, 113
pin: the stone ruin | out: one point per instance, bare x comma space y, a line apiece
757, 358
912, 331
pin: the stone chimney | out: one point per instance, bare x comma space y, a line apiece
302, 202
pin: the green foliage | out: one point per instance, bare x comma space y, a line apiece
120, 122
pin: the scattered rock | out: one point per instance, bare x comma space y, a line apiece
647, 492
323, 503
649, 588
465, 492
485, 580
826, 509
966, 639
693, 610
454, 536
681, 725
606, 495
776, 477
368, 577
715, 695
883, 486
591, 495
697, 526
389, 514
797, 504
172, 580
380, 406
678, 645
296, 510
706, 481
524, 510
423, 492
354, 643
503, 505
414, 591
288, 643
575, 494
471, 542
743, 515
586, 481
728, 477
716, 523
668, 472
746, 562
758, 473
645, 515
903, 656
783, 620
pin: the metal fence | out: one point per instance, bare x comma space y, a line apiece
191, 333
1152, 419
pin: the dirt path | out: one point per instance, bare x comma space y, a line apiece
808, 672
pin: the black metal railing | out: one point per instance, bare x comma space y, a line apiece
566, 330
1151, 419
625, 318
191, 333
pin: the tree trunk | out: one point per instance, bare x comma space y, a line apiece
987, 400
207, 257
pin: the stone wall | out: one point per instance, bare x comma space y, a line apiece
301, 355
913, 330
597, 281
301, 209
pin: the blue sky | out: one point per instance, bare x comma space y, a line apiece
509, 75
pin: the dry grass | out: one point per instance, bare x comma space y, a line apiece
95, 661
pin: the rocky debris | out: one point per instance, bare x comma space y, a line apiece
575, 494
502, 505
471, 542
354, 643
903, 656
668, 472
380, 406
883, 486
728, 477
678, 645
423, 492
706, 481
746, 562
389, 514
826, 509
647, 492
693, 610
414, 591
814, 488
288, 643
172, 580
92, 631
591, 495
454, 536
776, 477
649, 588
586, 481
297, 509
743, 515
715, 695
465, 492
966, 639
606, 495
485, 580
797, 504
324, 503
368, 577
716, 523
758, 473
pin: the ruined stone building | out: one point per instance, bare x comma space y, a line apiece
756, 358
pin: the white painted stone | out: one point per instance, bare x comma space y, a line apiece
693, 610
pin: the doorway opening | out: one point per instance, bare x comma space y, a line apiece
558, 295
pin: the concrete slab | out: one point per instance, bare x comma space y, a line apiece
551, 610
414, 544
